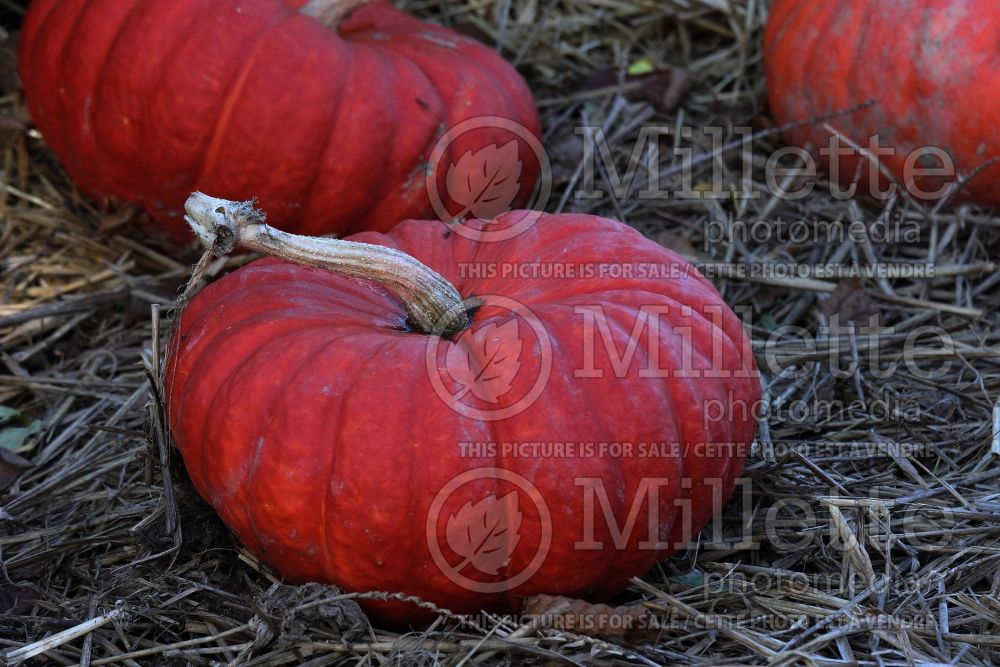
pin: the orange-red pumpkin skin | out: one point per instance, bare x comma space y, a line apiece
306, 415
149, 100
931, 66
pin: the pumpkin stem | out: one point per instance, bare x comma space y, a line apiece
331, 13
433, 304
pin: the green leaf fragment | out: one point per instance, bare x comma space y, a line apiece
641, 66
16, 430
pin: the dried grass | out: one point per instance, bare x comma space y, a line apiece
103, 528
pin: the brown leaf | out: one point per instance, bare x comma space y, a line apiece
765, 297
630, 622
11, 467
664, 88
475, 32
676, 241
15, 596
14, 123
565, 155
849, 302
295, 609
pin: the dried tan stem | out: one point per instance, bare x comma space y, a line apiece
433, 304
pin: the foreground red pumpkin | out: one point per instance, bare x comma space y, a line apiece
931, 66
596, 372
332, 129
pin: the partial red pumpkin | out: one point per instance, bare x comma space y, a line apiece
931, 66
324, 432
330, 128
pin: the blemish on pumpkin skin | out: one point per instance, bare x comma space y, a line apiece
413, 178
439, 40
258, 448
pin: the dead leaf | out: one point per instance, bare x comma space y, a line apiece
630, 622
294, 608
664, 88
565, 154
11, 467
766, 296
677, 242
16, 430
15, 596
849, 302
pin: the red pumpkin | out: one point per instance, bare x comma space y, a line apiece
931, 66
343, 446
330, 127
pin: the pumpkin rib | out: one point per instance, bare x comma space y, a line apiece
381, 185
434, 134
419, 478
64, 55
183, 38
331, 127
224, 389
35, 28
690, 387
615, 562
329, 565
511, 430
130, 17
495, 80
496, 431
674, 302
230, 102
219, 346
407, 55
247, 497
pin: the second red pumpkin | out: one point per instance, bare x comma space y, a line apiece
330, 128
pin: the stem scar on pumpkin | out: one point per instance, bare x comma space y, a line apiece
433, 305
